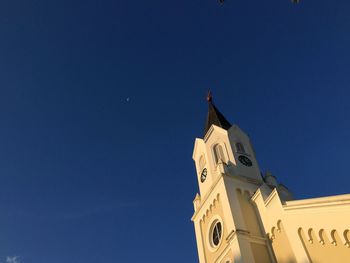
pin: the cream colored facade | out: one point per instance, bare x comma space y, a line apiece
241, 216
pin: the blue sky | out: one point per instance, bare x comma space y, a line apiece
88, 175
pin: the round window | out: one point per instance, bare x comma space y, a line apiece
216, 234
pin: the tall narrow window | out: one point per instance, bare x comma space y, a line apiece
240, 147
218, 153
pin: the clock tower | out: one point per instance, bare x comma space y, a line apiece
241, 216
227, 226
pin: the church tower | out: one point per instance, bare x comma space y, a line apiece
225, 220
241, 216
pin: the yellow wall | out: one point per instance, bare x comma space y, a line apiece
249, 214
228, 257
281, 246
215, 211
260, 251
322, 248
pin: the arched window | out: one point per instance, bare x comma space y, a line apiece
218, 153
240, 147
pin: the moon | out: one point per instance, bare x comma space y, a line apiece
127, 99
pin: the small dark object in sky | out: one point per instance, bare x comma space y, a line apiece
221, 2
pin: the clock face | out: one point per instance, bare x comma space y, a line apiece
204, 175
245, 160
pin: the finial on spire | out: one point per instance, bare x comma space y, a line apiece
209, 96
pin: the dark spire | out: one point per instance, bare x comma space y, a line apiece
215, 116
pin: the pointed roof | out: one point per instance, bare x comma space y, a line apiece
215, 116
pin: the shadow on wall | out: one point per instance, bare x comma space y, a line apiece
324, 246
280, 244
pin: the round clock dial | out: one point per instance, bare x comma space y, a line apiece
204, 175
245, 160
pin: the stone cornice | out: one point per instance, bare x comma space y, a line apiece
318, 202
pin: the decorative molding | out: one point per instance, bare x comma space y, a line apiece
318, 202
209, 132
244, 179
322, 235
206, 197
231, 235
